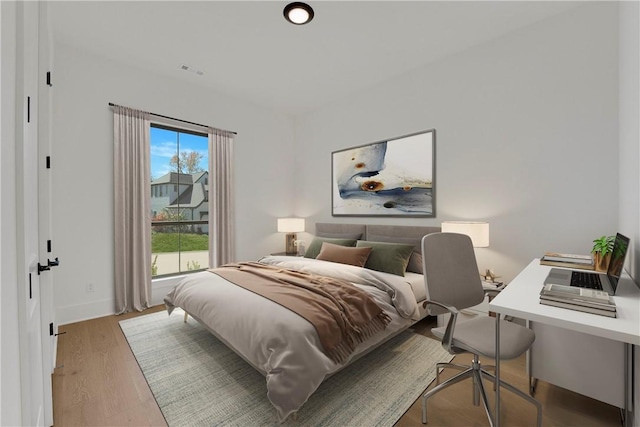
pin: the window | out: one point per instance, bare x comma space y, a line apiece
179, 224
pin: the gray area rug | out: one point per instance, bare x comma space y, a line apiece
198, 381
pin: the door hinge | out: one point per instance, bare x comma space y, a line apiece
51, 333
48, 162
49, 78
48, 245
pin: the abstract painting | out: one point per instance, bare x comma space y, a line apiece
387, 178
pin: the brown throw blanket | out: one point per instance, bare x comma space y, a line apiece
342, 314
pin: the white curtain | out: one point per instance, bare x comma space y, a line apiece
221, 200
132, 210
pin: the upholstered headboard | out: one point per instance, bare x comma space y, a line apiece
407, 234
404, 234
341, 231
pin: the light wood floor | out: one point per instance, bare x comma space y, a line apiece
98, 383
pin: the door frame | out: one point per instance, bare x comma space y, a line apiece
46, 248
25, 393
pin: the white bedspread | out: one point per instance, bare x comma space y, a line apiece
277, 342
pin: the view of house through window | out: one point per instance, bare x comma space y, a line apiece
179, 201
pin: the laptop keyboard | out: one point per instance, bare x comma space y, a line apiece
585, 280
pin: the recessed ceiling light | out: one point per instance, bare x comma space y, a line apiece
298, 13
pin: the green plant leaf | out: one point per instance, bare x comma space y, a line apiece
603, 245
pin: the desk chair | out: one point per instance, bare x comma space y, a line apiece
453, 283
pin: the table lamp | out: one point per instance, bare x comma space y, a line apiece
478, 232
291, 226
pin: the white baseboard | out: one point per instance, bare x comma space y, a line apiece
94, 309
90, 310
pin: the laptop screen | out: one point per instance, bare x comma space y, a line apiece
620, 246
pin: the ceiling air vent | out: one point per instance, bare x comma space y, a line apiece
191, 70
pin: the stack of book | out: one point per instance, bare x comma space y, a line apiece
584, 262
580, 299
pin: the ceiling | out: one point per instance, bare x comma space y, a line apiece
247, 50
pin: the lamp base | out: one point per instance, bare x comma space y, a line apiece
489, 276
290, 244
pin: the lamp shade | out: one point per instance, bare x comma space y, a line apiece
476, 230
290, 225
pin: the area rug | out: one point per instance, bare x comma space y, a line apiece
198, 381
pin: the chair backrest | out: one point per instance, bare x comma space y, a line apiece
451, 271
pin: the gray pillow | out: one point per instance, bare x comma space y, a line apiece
316, 244
415, 263
387, 257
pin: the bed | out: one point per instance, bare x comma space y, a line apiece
288, 349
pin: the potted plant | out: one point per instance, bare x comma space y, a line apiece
602, 248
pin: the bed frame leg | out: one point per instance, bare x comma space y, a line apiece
186, 316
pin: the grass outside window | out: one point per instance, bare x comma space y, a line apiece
175, 242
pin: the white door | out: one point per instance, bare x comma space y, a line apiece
31, 367
46, 242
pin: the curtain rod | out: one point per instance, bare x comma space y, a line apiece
111, 104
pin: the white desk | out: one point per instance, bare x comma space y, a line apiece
521, 299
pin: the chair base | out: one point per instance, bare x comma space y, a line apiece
442, 365
477, 373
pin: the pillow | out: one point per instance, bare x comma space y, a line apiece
316, 244
387, 257
344, 254
415, 263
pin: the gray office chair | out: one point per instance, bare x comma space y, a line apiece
453, 283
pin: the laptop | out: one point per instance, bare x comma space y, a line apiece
599, 281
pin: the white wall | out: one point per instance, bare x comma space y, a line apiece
629, 112
629, 53
526, 137
82, 168
10, 385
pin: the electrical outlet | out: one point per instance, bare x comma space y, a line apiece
90, 287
